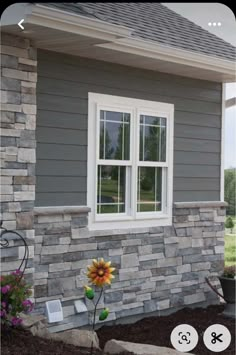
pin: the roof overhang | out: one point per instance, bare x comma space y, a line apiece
67, 32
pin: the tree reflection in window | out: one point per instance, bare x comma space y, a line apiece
152, 135
111, 189
114, 135
149, 189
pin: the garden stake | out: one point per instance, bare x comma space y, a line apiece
94, 317
99, 274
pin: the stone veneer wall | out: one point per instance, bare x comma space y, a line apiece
18, 122
158, 268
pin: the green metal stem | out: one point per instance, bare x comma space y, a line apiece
94, 317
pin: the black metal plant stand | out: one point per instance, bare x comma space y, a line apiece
230, 306
4, 243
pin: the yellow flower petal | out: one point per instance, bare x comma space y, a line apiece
95, 262
107, 264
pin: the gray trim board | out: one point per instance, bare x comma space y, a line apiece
45, 211
200, 204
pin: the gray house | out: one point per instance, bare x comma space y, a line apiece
112, 146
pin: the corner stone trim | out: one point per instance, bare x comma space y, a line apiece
158, 269
18, 123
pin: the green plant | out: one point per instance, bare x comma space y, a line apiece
229, 223
230, 249
14, 298
229, 272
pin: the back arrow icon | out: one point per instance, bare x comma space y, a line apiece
20, 24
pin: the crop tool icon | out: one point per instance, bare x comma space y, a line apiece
184, 337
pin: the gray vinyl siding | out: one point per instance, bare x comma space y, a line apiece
62, 107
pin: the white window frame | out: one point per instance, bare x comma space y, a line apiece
135, 107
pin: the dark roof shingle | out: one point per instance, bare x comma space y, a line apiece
155, 22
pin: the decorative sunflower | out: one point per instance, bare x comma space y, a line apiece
100, 272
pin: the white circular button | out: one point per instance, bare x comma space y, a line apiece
217, 338
184, 337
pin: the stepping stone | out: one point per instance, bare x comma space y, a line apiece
78, 337
118, 347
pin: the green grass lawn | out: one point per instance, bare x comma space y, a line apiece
230, 249
230, 245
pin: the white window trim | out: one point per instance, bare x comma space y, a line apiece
222, 167
135, 106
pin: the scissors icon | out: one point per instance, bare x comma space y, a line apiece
216, 338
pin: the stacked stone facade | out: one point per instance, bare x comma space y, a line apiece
18, 122
157, 269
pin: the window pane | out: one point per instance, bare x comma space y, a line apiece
111, 189
149, 189
152, 138
114, 135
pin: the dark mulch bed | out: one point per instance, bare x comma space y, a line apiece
22, 342
157, 330
152, 330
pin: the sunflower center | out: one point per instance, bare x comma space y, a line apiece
100, 272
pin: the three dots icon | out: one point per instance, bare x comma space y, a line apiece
214, 24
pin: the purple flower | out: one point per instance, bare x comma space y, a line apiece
28, 305
17, 272
5, 289
4, 304
16, 321
2, 313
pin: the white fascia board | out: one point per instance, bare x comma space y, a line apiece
172, 54
68, 21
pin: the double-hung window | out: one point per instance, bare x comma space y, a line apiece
130, 162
